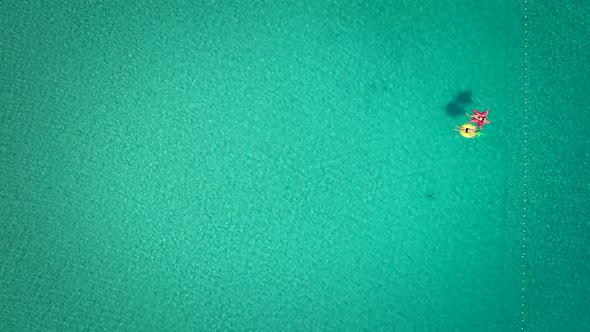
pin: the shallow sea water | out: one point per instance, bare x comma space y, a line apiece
265, 166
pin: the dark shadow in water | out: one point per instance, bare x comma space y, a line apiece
456, 107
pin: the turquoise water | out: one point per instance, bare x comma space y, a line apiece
265, 166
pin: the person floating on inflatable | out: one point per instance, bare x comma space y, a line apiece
479, 117
468, 130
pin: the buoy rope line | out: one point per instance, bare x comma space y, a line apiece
525, 163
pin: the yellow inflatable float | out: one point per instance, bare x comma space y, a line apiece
468, 130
